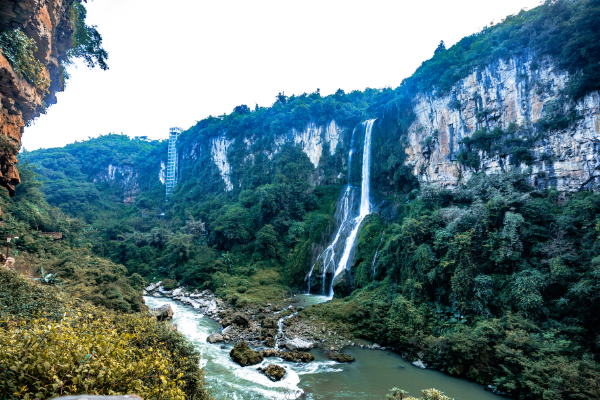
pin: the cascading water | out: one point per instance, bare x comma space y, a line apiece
365, 203
327, 257
333, 260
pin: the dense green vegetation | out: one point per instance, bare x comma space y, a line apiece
497, 282
565, 30
86, 44
53, 344
83, 273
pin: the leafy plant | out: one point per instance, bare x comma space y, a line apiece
20, 50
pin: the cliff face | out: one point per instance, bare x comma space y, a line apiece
520, 92
313, 139
47, 22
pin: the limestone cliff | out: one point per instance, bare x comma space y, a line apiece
47, 22
520, 92
312, 140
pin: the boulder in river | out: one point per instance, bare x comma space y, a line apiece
298, 344
215, 337
273, 372
244, 355
271, 353
270, 341
420, 364
297, 356
341, 357
163, 313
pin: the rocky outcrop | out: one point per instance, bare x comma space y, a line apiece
341, 357
312, 140
298, 344
218, 150
125, 177
163, 313
273, 372
244, 355
520, 92
47, 22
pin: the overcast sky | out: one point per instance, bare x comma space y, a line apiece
175, 62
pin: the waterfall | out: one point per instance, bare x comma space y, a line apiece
365, 203
335, 257
327, 257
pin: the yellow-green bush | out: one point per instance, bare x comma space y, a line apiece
87, 350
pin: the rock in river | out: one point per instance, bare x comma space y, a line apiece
215, 337
340, 357
273, 372
244, 355
298, 344
163, 313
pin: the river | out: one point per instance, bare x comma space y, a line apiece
370, 377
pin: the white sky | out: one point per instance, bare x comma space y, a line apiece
175, 62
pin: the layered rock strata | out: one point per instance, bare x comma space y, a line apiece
46, 22
522, 92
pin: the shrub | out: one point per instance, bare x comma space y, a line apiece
19, 50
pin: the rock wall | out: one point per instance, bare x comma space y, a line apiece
47, 22
218, 150
125, 176
516, 91
312, 140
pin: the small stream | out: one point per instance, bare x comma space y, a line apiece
370, 377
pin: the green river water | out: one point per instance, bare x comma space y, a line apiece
370, 377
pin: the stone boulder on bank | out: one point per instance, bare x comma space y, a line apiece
298, 344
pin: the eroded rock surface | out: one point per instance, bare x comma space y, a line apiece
516, 91
46, 22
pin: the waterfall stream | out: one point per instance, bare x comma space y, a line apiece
336, 256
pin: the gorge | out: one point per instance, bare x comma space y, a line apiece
449, 224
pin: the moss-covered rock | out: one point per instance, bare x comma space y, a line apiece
341, 357
273, 372
244, 355
298, 356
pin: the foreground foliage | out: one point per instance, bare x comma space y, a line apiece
58, 346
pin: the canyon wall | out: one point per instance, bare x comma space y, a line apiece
522, 92
47, 22
312, 140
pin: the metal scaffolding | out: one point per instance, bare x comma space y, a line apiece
172, 163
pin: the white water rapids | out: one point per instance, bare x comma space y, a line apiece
370, 377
